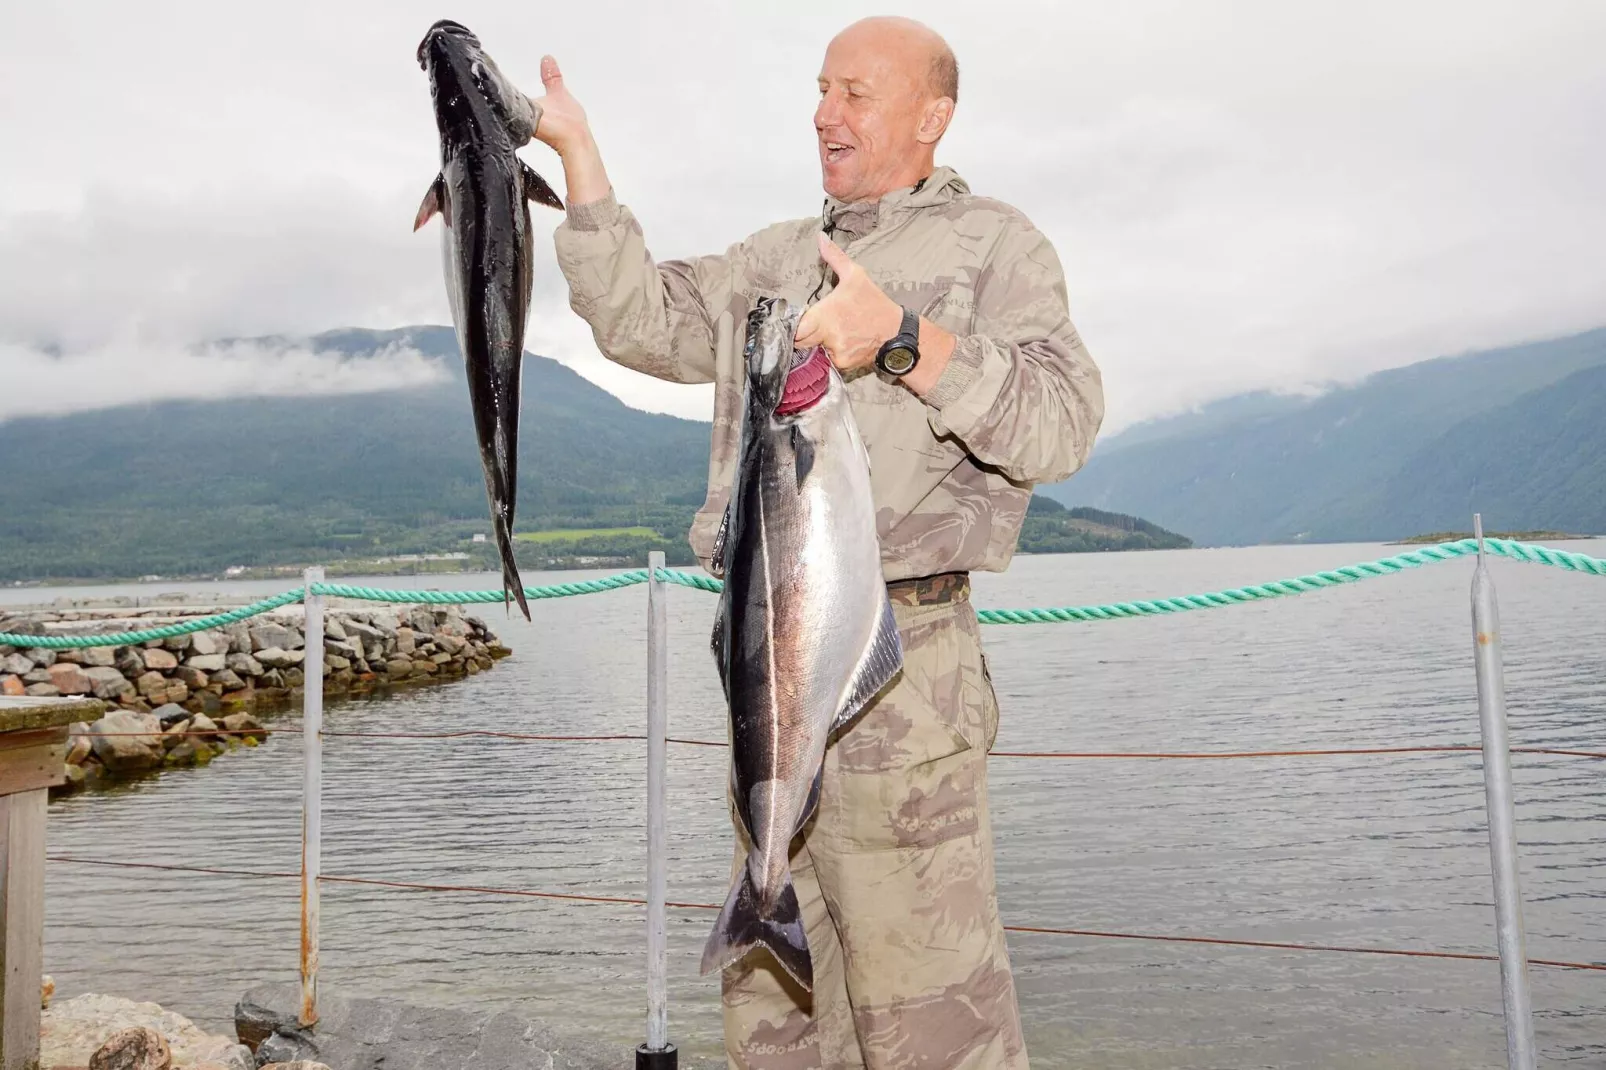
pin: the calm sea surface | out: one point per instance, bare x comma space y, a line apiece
1373, 851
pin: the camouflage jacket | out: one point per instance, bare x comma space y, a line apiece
1019, 402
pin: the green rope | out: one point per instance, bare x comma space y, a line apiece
1315, 581
452, 598
166, 631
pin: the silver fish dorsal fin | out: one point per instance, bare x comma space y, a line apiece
881, 662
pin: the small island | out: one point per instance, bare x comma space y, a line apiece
1052, 528
1436, 537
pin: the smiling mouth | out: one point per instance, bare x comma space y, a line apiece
836, 151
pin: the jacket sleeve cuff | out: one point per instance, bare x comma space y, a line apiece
964, 365
595, 215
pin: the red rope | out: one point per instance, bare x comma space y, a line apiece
630, 737
630, 901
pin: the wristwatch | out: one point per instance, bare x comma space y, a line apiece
898, 356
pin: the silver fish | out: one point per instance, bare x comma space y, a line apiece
804, 636
482, 195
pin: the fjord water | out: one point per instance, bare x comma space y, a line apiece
1385, 851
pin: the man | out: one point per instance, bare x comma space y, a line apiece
987, 391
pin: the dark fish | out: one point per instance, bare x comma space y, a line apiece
804, 637
482, 195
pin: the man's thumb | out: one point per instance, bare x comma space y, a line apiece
551, 77
836, 258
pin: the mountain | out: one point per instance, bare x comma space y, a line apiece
1517, 433
185, 487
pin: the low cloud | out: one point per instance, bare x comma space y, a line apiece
53, 384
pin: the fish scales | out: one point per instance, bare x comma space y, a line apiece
804, 635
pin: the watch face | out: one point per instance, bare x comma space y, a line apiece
898, 360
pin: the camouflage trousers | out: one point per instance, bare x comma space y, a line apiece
895, 877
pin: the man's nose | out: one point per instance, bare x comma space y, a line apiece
829, 111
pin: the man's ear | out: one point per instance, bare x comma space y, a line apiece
934, 121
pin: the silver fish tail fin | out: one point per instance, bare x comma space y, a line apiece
744, 925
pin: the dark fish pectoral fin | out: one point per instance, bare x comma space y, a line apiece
434, 201
743, 925
537, 190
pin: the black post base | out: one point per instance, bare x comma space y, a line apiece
668, 1059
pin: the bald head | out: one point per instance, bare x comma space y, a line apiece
922, 49
887, 93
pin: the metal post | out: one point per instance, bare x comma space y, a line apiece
312, 797
1520, 1053
657, 1053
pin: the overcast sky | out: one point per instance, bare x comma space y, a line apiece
1244, 195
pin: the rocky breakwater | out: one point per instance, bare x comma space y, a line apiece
185, 699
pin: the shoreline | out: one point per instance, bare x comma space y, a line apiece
184, 700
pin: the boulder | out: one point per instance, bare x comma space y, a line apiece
269, 635
244, 664
79, 748
343, 647
181, 753
274, 657
208, 644
244, 726
172, 737
161, 660
12, 685
207, 662
152, 684
37, 676
451, 644
270, 679
131, 661
170, 714
177, 643
72, 656
332, 626
202, 723
239, 634
177, 691
227, 679
193, 678
427, 667
69, 679
406, 641
400, 668
42, 690
107, 682
335, 662
422, 620
125, 741
99, 656
295, 677
16, 664
40, 656
71, 1031
76, 777
136, 1048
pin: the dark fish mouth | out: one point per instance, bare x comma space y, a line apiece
443, 28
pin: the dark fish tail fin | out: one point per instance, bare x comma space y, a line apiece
537, 190
743, 925
510, 569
